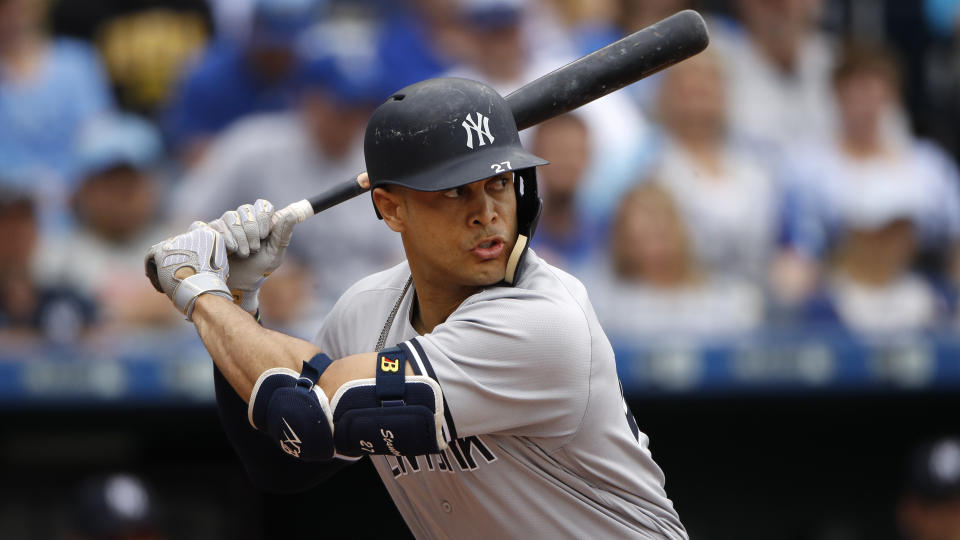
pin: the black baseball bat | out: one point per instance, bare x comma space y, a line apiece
597, 74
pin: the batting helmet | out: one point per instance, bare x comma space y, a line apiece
443, 133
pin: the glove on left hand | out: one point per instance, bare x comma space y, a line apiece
201, 249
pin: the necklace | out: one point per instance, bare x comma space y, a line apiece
393, 313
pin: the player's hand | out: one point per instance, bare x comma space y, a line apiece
256, 238
188, 265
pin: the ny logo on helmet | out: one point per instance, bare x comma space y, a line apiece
481, 126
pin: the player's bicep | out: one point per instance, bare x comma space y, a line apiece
351, 368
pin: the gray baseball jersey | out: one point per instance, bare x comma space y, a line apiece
541, 443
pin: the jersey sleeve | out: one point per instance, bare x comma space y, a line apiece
329, 337
343, 325
516, 366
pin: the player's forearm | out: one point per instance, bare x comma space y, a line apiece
240, 347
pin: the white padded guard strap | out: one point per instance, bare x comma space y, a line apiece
514, 259
437, 400
195, 285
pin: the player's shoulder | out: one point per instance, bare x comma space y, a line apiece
383, 286
544, 294
543, 279
372, 296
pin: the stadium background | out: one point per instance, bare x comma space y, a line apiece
794, 419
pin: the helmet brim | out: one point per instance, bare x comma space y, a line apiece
477, 165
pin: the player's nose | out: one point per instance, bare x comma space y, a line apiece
485, 210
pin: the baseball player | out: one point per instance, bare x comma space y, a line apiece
474, 375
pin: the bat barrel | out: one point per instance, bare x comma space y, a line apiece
619, 64
606, 70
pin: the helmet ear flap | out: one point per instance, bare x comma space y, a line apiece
529, 206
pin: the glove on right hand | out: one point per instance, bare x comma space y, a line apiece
256, 239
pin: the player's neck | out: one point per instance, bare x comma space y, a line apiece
432, 306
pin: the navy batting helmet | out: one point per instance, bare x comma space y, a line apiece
443, 133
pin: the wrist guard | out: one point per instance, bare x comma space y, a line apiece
190, 288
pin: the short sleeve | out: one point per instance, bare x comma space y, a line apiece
509, 365
330, 337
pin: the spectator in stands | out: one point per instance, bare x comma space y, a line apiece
870, 288
590, 24
565, 237
593, 24
232, 79
287, 156
420, 39
725, 193
283, 304
778, 72
501, 54
116, 204
144, 45
655, 289
29, 310
635, 15
824, 182
929, 506
48, 88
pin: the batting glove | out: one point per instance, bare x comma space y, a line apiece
256, 239
200, 248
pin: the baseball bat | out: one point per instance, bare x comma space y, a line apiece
597, 74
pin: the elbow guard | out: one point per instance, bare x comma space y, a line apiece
391, 414
293, 411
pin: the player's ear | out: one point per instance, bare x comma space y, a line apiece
389, 203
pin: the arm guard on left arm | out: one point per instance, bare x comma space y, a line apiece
390, 414
267, 468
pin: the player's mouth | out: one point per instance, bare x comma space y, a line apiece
488, 248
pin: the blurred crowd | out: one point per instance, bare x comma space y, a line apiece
801, 172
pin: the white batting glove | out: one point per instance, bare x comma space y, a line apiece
256, 239
200, 248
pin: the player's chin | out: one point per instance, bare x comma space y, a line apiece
489, 272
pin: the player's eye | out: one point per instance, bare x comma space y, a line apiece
453, 193
499, 183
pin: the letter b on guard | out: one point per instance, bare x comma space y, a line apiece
389, 365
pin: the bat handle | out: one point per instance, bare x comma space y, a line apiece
340, 193
337, 194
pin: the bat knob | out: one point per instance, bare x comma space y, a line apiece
364, 180
301, 209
